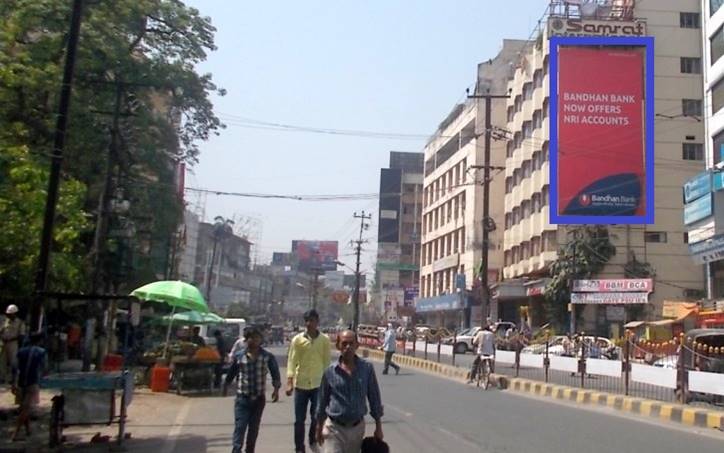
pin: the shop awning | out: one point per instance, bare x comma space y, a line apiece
634, 324
668, 322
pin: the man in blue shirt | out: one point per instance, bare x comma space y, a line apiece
30, 367
346, 388
389, 345
250, 364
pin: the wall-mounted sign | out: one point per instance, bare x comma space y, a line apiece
697, 187
707, 251
698, 209
609, 298
579, 27
614, 285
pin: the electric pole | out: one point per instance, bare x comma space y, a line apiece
359, 242
487, 223
56, 161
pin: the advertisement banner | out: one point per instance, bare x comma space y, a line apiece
411, 294
315, 255
601, 157
609, 298
614, 285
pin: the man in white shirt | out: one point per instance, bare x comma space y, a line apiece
485, 342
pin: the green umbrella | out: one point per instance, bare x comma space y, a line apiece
174, 293
193, 317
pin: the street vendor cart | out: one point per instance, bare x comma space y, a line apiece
194, 375
88, 398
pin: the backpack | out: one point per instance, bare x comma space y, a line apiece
372, 445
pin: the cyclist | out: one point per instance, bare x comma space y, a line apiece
485, 342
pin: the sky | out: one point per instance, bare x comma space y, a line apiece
387, 66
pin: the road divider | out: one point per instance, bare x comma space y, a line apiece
677, 413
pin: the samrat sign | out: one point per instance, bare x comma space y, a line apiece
599, 124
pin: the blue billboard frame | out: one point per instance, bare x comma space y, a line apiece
646, 42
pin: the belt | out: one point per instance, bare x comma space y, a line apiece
346, 424
249, 397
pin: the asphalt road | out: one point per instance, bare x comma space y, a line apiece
424, 413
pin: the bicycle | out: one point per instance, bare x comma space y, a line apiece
484, 370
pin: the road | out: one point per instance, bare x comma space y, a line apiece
427, 414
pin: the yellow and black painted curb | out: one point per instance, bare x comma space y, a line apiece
671, 412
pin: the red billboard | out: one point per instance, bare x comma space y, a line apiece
318, 256
600, 142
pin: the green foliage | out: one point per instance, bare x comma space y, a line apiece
22, 203
585, 254
147, 51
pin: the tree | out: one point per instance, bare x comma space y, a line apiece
585, 254
22, 201
139, 109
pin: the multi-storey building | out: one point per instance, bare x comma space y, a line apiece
452, 210
398, 235
531, 243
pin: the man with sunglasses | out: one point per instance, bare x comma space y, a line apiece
347, 387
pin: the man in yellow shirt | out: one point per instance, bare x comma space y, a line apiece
309, 356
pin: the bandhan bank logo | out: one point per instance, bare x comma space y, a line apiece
584, 200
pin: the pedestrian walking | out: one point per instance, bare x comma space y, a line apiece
11, 333
389, 345
309, 356
31, 361
222, 350
347, 386
251, 364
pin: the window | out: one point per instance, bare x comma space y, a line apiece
527, 91
536, 161
527, 129
538, 78
509, 147
692, 151
537, 119
655, 236
507, 221
516, 177
536, 202
714, 6
508, 184
545, 108
717, 45
506, 255
518, 104
525, 209
526, 169
690, 65
545, 152
535, 246
550, 241
545, 195
686, 237
691, 107
689, 20
511, 113
717, 96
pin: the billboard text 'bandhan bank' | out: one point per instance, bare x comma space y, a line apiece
601, 130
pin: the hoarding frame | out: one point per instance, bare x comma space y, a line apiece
646, 42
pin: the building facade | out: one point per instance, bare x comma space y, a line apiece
452, 202
398, 235
657, 251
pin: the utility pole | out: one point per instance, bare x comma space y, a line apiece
56, 161
359, 242
488, 225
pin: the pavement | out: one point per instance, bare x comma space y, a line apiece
423, 413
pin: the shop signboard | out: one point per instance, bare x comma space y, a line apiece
614, 285
609, 298
698, 209
697, 187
